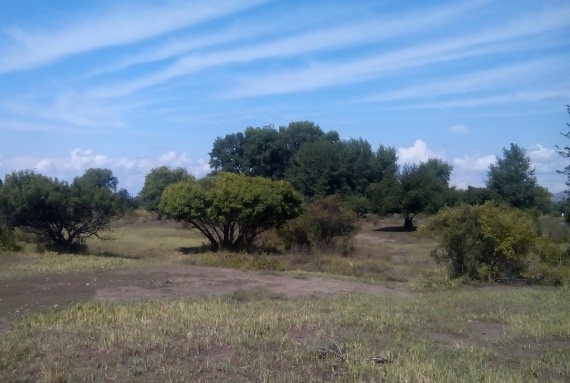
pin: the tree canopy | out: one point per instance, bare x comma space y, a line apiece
229, 209
61, 213
156, 181
512, 178
424, 188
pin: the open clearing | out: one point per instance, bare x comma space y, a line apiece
144, 311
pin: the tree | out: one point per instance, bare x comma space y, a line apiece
156, 181
263, 154
60, 213
227, 154
385, 193
565, 152
512, 178
230, 210
317, 169
424, 188
264, 151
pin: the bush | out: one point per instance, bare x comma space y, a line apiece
7, 241
325, 225
482, 242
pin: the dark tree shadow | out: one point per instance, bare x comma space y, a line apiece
110, 254
395, 229
194, 249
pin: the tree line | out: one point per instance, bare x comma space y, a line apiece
260, 178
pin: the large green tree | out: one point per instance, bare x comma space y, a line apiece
512, 178
61, 213
264, 151
229, 209
424, 188
156, 181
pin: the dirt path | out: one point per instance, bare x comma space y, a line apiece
44, 293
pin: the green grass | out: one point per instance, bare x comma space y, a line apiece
18, 265
261, 337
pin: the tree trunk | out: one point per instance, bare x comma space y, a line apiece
409, 223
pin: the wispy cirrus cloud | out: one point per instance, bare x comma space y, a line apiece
372, 30
118, 26
472, 44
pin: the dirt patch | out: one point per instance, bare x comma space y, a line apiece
487, 331
34, 294
452, 339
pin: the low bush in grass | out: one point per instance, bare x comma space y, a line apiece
325, 226
482, 242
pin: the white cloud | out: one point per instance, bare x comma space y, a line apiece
459, 129
417, 153
541, 153
475, 164
131, 172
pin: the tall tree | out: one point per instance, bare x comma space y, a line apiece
512, 178
263, 154
156, 181
228, 154
424, 188
565, 152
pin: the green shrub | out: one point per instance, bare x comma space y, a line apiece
543, 273
482, 242
325, 225
267, 263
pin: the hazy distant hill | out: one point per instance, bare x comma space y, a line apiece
557, 197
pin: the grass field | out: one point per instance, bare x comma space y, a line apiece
484, 333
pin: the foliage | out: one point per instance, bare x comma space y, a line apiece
230, 210
61, 214
565, 152
325, 224
479, 195
512, 178
156, 181
424, 188
482, 242
264, 151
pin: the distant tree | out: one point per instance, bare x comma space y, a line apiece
512, 178
478, 196
565, 152
385, 193
296, 134
60, 213
228, 154
156, 181
317, 169
424, 188
263, 154
264, 151
230, 210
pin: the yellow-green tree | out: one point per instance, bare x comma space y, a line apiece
229, 209
482, 242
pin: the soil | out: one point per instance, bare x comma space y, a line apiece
34, 294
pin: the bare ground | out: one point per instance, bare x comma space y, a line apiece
33, 294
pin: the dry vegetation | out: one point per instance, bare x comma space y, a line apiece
470, 334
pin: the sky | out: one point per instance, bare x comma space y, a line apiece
132, 85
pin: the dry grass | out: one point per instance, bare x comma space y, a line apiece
511, 335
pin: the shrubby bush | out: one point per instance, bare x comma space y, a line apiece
482, 242
325, 225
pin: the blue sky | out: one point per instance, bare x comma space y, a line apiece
131, 85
